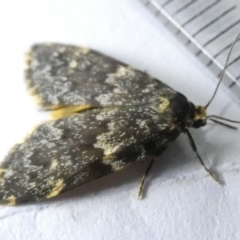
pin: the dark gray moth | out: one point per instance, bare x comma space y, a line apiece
107, 116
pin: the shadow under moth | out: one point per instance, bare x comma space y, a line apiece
107, 115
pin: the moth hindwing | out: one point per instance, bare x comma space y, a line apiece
109, 115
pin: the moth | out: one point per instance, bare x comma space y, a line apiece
107, 115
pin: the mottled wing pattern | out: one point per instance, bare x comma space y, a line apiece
62, 75
63, 154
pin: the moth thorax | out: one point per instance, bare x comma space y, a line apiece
197, 117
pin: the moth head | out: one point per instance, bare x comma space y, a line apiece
198, 116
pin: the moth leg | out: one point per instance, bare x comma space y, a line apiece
194, 148
144, 177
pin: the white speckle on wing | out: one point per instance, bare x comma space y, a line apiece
73, 64
104, 99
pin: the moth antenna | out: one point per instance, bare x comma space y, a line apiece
223, 124
224, 119
223, 71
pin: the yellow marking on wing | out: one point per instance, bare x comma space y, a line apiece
54, 164
84, 50
164, 104
124, 71
2, 170
35, 96
27, 60
58, 186
11, 201
73, 64
67, 111
116, 165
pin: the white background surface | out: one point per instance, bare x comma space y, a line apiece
181, 201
